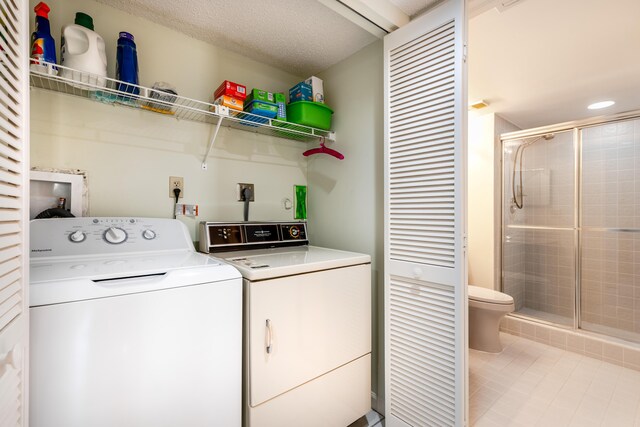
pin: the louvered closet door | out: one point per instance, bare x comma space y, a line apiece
425, 266
14, 134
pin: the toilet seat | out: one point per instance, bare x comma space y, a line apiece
485, 295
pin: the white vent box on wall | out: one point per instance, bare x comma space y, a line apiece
46, 188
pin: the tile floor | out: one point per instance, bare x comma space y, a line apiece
533, 384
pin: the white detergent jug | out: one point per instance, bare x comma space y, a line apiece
83, 50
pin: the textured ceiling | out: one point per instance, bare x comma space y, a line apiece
541, 62
303, 37
413, 7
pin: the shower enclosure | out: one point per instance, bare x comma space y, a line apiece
571, 224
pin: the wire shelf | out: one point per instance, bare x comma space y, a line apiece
65, 80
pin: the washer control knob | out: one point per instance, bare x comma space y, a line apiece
149, 234
77, 236
115, 235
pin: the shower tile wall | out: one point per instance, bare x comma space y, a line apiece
550, 268
539, 264
514, 266
549, 182
610, 296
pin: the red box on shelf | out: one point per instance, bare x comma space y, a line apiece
231, 89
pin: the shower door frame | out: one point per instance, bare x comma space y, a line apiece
576, 127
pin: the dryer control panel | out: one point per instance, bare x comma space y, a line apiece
219, 236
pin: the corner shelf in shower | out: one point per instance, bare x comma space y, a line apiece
118, 93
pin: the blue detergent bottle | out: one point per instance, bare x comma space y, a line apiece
43, 47
127, 64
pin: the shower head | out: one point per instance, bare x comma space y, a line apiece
534, 139
517, 200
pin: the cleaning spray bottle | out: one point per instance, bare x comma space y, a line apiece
43, 47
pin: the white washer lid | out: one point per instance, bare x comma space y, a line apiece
478, 293
67, 279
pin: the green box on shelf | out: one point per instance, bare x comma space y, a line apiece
259, 95
313, 114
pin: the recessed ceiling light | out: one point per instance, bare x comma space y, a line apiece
599, 105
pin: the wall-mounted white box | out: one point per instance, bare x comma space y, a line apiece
47, 187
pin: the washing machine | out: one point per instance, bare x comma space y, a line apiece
130, 326
307, 333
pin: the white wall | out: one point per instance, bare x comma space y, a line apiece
130, 154
346, 197
480, 196
484, 197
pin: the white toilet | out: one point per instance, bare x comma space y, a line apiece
486, 309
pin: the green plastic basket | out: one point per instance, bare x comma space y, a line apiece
313, 114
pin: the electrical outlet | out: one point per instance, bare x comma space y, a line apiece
176, 182
241, 187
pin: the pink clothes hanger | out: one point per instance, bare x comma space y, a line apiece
323, 150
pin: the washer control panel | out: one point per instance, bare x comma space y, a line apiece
104, 235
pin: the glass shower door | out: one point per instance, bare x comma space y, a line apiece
610, 223
539, 226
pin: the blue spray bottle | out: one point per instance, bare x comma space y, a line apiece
43, 47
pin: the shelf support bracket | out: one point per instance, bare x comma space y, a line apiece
212, 141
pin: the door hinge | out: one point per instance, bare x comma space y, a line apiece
464, 53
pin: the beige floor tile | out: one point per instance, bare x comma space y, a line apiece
566, 399
580, 420
625, 396
623, 414
509, 404
493, 418
592, 408
527, 416
558, 417
484, 422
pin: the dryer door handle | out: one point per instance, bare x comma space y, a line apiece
269, 336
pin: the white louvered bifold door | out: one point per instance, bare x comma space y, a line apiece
425, 265
14, 265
